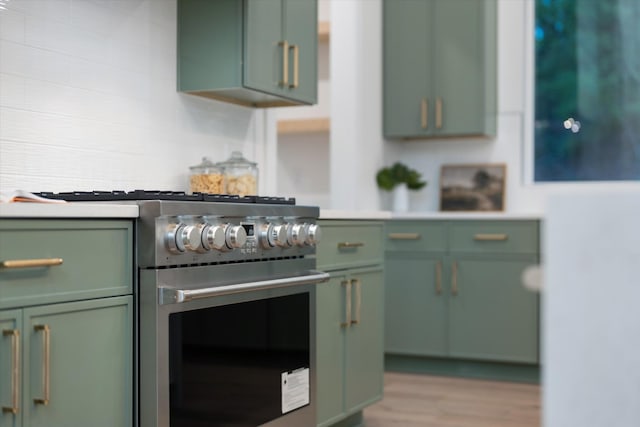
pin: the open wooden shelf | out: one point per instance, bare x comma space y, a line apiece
315, 125
323, 31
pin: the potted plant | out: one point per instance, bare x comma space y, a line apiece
400, 179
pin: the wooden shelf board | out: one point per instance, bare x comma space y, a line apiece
304, 125
323, 31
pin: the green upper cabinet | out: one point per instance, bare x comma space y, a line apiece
440, 68
260, 53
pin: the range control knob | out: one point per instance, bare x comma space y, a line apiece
181, 237
189, 238
213, 237
313, 234
297, 234
236, 236
278, 236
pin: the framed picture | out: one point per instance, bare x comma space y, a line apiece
473, 187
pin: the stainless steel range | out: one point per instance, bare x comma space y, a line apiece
226, 297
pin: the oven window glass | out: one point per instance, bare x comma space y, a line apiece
227, 363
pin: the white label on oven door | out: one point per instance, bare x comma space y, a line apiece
295, 389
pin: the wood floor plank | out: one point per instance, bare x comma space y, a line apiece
431, 401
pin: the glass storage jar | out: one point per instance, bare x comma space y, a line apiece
241, 175
207, 177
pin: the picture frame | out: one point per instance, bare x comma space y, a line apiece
473, 187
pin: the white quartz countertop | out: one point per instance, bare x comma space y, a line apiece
343, 214
67, 210
384, 215
468, 215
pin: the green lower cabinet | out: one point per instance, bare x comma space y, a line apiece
10, 362
492, 316
463, 298
350, 343
417, 306
75, 364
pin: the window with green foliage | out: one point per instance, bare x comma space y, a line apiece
587, 90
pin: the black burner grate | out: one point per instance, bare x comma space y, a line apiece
136, 195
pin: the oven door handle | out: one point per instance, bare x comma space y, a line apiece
176, 296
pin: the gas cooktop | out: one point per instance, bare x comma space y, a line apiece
112, 196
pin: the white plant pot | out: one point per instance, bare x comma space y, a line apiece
401, 198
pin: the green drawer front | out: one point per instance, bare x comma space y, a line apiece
97, 260
412, 236
349, 244
495, 236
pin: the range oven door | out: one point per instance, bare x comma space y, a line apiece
228, 345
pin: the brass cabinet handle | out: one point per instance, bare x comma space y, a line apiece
285, 63
29, 263
404, 236
347, 292
454, 279
46, 364
357, 284
491, 237
424, 113
296, 66
438, 113
439, 277
15, 371
346, 245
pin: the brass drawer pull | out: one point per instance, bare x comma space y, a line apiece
15, 371
296, 66
357, 284
29, 263
347, 304
285, 63
346, 245
46, 364
491, 237
424, 113
454, 279
439, 278
404, 236
438, 113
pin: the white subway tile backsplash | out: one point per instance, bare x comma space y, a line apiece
12, 24
88, 99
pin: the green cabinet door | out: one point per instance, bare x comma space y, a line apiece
10, 368
364, 361
406, 68
78, 357
416, 303
465, 70
491, 315
440, 68
330, 341
260, 53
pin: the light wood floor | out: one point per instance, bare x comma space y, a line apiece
430, 401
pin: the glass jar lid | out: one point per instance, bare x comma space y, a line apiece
237, 160
206, 164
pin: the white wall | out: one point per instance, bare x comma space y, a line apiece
88, 101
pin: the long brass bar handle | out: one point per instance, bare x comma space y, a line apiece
46, 364
404, 236
357, 284
438, 113
424, 113
15, 371
491, 237
454, 279
285, 63
296, 66
439, 277
347, 314
347, 245
30, 263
